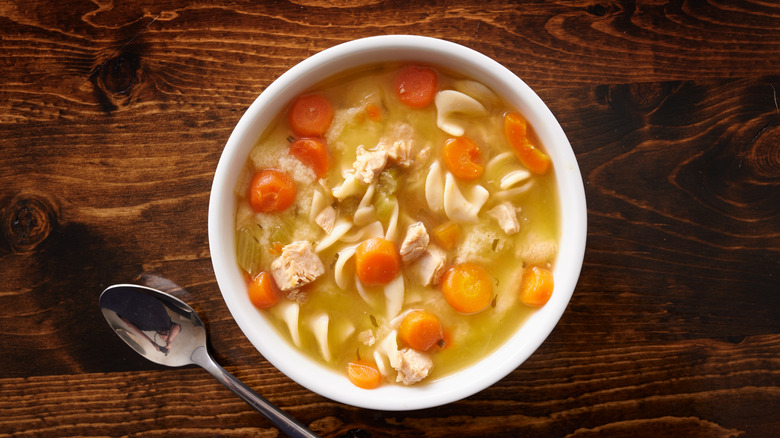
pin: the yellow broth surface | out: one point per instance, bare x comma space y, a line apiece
367, 110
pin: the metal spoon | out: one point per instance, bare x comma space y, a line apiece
167, 331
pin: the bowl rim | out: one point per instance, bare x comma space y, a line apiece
366, 51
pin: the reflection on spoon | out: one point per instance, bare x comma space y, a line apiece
167, 331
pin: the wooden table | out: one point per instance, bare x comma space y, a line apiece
113, 118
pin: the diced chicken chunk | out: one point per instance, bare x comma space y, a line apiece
296, 266
414, 366
369, 164
326, 219
429, 267
506, 216
398, 144
297, 295
366, 337
414, 243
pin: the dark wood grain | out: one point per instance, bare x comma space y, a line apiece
113, 118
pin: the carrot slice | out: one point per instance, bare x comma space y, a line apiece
516, 133
467, 287
364, 374
276, 248
463, 158
263, 292
312, 152
310, 115
416, 86
447, 235
271, 190
536, 287
376, 261
420, 330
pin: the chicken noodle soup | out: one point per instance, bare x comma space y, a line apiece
397, 223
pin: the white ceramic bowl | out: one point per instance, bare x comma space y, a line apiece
301, 77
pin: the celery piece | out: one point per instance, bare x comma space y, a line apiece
281, 234
384, 206
348, 206
248, 249
389, 180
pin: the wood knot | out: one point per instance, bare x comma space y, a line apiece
116, 79
27, 222
597, 10
644, 98
120, 74
738, 176
764, 155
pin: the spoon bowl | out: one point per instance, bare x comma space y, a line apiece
166, 331
158, 326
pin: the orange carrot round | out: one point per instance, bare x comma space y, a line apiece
536, 287
271, 190
416, 86
310, 115
312, 152
420, 330
467, 287
376, 261
364, 374
263, 292
531, 157
463, 158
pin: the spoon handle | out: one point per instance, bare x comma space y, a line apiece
284, 422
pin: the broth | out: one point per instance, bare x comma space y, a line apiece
335, 319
